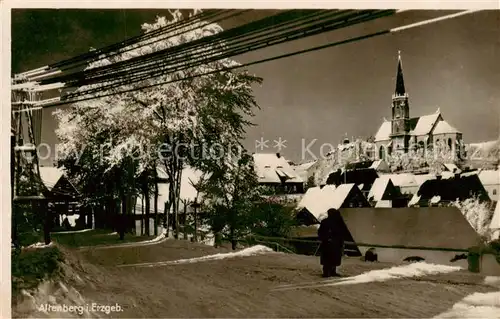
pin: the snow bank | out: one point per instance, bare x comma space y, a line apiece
412, 270
251, 251
477, 305
39, 245
161, 236
72, 231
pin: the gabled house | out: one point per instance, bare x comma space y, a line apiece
383, 193
363, 178
391, 230
63, 198
441, 191
275, 171
491, 182
313, 208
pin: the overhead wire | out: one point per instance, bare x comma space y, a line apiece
316, 48
181, 60
184, 46
95, 54
266, 41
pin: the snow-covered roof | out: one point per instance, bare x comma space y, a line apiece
306, 166
379, 165
318, 201
340, 195
269, 168
422, 178
384, 132
443, 127
378, 188
402, 180
310, 196
451, 167
425, 124
50, 176
489, 177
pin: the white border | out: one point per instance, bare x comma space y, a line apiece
5, 67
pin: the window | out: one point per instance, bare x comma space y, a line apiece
351, 204
494, 191
449, 143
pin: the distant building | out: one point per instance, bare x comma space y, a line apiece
403, 132
275, 171
491, 182
384, 194
317, 201
442, 191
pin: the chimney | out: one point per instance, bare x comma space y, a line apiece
278, 155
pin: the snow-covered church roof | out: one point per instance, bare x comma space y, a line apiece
384, 131
444, 127
425, 124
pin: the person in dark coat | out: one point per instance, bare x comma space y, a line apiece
331, 233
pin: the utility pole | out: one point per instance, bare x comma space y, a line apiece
24, 155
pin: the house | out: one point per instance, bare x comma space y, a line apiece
491, 182
63, 198
436, 234
275, 171
495, 222
306, 170
441, 191
397, 233
188, 194
403, 133
363, 178
383, 193
313, 208
406, 182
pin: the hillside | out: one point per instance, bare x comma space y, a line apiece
161, 280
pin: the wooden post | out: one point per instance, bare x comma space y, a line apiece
185, 219
166, 214
47, 221
195, 207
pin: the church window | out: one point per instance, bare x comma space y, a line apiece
381, 152
449, 143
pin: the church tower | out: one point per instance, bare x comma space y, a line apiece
400, 125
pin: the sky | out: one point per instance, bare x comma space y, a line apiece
318, 97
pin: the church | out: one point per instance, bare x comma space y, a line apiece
403, 133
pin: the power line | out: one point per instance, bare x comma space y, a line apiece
116, 46
339, 20
184, 46
316, 48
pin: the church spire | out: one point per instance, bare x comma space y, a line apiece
400, 83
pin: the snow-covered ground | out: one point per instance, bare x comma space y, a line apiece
39, 245
419, 269
251, 251
477, 305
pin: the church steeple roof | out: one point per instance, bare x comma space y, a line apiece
400, 83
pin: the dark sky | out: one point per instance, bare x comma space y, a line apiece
453, 65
